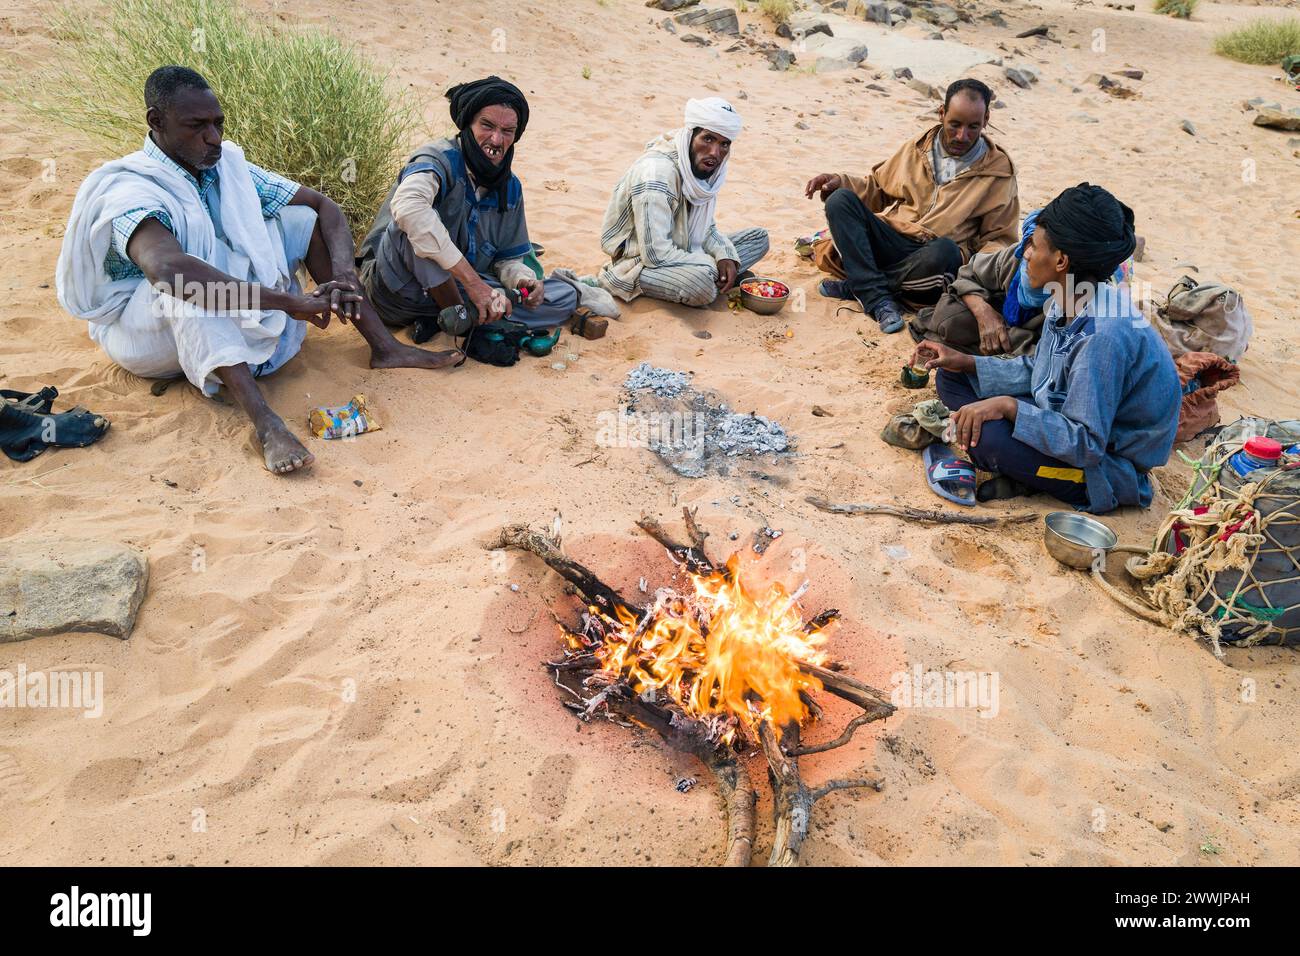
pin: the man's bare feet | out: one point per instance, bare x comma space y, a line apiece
282, 451
408, 356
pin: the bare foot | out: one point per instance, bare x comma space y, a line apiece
408, 356
282, 451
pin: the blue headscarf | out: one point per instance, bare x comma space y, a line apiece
1023, 300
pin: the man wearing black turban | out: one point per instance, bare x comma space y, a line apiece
1095, 408
453, 229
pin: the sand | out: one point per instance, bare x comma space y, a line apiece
330, 668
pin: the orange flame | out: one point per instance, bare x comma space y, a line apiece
723, 651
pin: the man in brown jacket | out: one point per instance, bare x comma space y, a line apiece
906, 229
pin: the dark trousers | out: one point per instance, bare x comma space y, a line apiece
1002, 453
881, 262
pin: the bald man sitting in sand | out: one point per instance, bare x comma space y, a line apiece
183, 256
659, 228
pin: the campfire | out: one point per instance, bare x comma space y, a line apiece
718, 669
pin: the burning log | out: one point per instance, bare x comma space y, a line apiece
710, 673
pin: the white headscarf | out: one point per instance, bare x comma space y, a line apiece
715, 114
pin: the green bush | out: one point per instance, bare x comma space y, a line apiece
1176, 8
303, 104
778, 11
1261, 41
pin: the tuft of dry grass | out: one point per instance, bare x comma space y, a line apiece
778, 11
1176, 8
1267, 42
304, 104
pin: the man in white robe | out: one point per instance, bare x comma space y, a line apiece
183, 256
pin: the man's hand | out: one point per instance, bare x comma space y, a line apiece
825, 183
533, 292
969, 419
931, 355
728, 269
490, 303
343, 297
314, 308
994, 339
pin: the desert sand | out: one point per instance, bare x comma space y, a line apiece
330, 668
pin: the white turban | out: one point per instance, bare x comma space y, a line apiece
713, 114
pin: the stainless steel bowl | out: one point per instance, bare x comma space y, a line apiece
1075, 539
761, 305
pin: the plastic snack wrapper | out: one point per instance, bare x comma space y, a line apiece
342, 421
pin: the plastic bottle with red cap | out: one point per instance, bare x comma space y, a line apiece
1258, 453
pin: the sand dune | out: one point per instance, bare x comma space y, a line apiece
327, 672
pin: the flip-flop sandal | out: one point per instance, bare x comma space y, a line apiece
25, 434
38, 403
948, 476
904, 431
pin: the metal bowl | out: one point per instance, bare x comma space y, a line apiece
1075, 539
759, 304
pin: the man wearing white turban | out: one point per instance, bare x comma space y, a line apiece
659, 228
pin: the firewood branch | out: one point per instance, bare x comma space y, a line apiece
921, 514
520, 537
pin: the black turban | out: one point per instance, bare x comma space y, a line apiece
467, 100
1092, 227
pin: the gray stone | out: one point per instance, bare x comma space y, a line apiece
715, 21
670, 5
697, 39
1019, 77
1133, 74
999, 105
780, 59
668, 25
833, 64
856, 55
803, 25
903, 73
1084, 118
900, 12
1276, 119
802, 125
1187, 127
878, 13
1258, 102
59, 586
925, 89
940, 14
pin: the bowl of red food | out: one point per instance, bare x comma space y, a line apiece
763, 295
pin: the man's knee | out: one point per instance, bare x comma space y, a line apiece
942, 255
843, 204
702, 290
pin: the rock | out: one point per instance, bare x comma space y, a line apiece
878, 13
838, 5
668, 25
802, 25
715, 21
702, 334
697, 39
742, 95
1084, 118
856, 55
1258, 102
822, 412
1132, 74
801, 125
780, 59
1019, 77
59, 586
940, 14
995, 17
876, 87
1293, 142
832, 64
1276, 119
1033, 32
999, 105
925, 89
903, 73
669, 5
900, 12
1187, 127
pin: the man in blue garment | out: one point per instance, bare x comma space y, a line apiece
1095, 408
